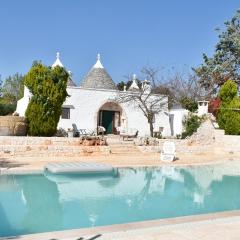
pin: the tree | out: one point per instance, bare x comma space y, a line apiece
228, 117
121, 85
186, 90
225, 63
145, 99
189, 103
48, 88
12, 89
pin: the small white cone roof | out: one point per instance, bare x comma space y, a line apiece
134, 84
57, 62
98, 64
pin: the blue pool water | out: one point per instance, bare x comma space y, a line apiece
38, 203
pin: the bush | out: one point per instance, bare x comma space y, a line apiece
6, 109
189, 104
228, 91
214, 106
229, 114
61, 133
158, 135
191, 125
48, 87
229, 117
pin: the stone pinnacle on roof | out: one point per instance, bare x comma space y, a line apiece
98, 64
57, 61
134, 85
98, 77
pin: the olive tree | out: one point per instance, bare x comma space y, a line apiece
225, 62
144, 97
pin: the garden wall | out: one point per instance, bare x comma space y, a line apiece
48, 146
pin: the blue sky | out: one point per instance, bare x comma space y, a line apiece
129, 34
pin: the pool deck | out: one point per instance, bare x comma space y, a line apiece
219, 226
13, 164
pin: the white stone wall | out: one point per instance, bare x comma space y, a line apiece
23, 102
202, 108
84, 106
179, 115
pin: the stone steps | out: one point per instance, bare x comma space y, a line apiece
54, 147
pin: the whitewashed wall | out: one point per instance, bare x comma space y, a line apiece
23, 102
85, 104
179, 115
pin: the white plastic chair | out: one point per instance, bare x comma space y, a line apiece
169, 151
128, 133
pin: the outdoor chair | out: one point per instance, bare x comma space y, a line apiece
80, 132
83, 132
169, 151
128, 133
76, 132
101, 130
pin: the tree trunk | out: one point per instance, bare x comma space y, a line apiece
151, 128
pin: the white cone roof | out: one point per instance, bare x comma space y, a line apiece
134, 85
98, 64
57, 62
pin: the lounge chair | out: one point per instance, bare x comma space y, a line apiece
128, 133
76, 132
169, 151
79, 132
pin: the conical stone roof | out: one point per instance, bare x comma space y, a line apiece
70, 82
98, 78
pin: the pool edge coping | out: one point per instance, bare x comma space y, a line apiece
40, 170
124, 227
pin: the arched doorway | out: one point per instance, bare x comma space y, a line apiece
110, 116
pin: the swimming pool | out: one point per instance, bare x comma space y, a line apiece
37, 203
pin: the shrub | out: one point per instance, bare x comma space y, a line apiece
229, 114
158, 135
214, 106
61, 133
6, 109
189, 104
191, 125
228, 91
48, 87
229, 117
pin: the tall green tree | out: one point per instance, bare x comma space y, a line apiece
48, 87
225, 63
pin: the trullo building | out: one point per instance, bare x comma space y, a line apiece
93, 104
